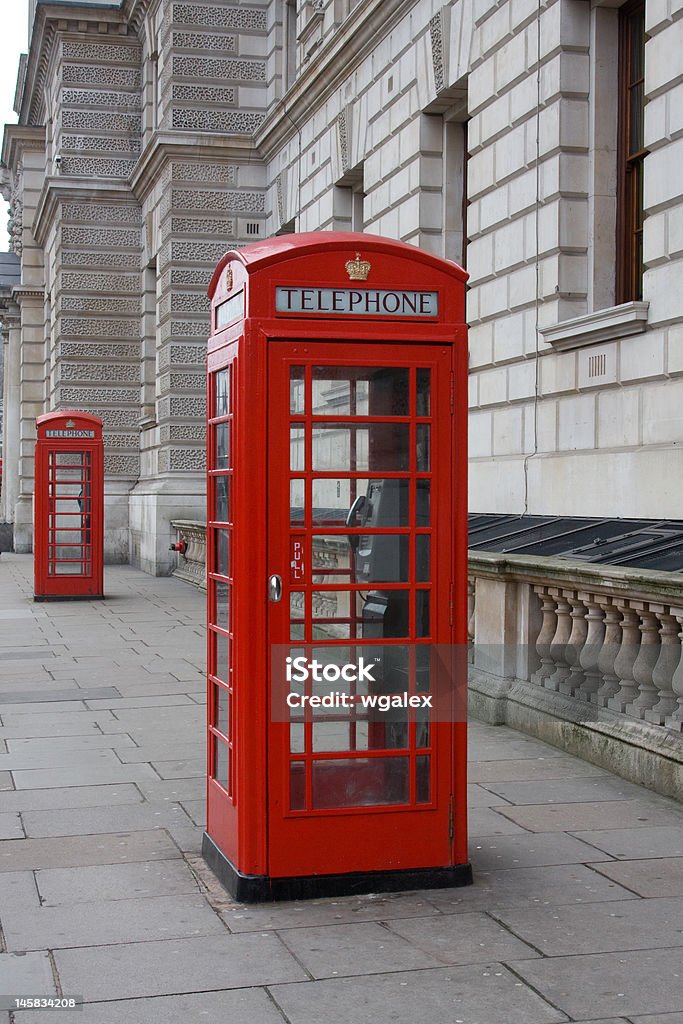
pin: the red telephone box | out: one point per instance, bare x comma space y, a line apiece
68, 528
337, 565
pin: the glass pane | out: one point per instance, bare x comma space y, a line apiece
220, 762
297, 786
296, 502
221, 716
385, 614
222, 392
297, 453
423, 442
221, 484
360, 391
423, 780
222, 445
423, 403
222, 604
296, 737
296, 615
223, 552
423, 503
339, 502
360, 782
422, 603
296, 389
422, 559
360, 558
221, 657
360, 448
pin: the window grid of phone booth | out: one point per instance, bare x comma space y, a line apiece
221, 401
360, 483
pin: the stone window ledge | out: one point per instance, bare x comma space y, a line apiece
602, 325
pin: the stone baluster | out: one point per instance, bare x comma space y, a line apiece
590, 655
644, 664
662, 675
471, 595
675, 721
577, 639
625, 659
558, 646
609, 651
545, 636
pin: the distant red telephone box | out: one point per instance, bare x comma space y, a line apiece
337, 565
68, 528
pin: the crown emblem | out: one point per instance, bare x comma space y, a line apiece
70, 423
358, 269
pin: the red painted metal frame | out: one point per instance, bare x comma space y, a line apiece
247, 822
48, 582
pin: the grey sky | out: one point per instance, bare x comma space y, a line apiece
12, 43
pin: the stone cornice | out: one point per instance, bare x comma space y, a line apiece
19, 138
164, 146
59, 189
21, 291
49, 19
355, 38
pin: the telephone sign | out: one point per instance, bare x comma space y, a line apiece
336, 539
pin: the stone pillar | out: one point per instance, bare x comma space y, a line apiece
11, 415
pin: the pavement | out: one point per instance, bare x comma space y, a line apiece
576, 912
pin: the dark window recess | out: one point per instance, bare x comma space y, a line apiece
631, 151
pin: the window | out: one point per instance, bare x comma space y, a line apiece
631, 151
348, 201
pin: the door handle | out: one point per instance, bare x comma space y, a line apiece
274, 588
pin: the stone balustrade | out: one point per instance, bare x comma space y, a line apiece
191, 565
587, 656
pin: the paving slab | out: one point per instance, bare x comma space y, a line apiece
10, 826
26, 974
161, 750
310, 913
354, 949
39, 696
485, 994
477, 796
509, 746
18, 891
173, 966
93, 820
486, 821
58, 886
529, 768
103, 922
196, 809
89, 775
76, 851
636, 843
27, 760
173, 789
245, 1006
606, 814
57, 744
158, 700
611, 984
551, 791
555, 886
462, 939
71, 796
190, 769
659, 1018
600, 927
534, 849
654, 877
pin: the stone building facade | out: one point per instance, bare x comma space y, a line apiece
155, 134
